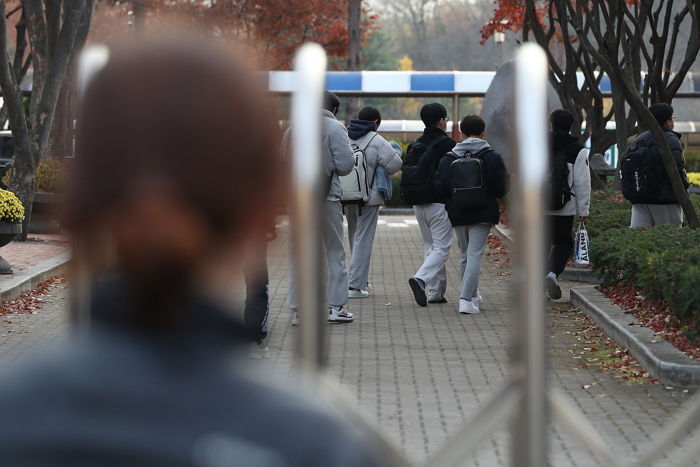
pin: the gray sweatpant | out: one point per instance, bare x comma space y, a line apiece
647, 215
361, 230
472, 243
337, 294
436, 231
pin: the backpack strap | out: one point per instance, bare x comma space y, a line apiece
480, 154
438, 140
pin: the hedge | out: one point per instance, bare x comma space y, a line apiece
662, 261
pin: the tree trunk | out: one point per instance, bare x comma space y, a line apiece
61, 135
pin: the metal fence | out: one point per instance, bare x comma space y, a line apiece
527, 401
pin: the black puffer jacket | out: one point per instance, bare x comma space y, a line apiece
664, 192
496, 181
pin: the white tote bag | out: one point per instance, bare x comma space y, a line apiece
581, 252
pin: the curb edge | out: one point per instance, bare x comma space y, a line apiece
31, 277
661, 359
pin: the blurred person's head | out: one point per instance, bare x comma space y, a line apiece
663, 114
473, 126
370, 114
178, 173
331, 102
561, 120
434, 115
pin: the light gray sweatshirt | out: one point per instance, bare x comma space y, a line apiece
470, 146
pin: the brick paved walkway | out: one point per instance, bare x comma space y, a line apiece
420, 372
38, 248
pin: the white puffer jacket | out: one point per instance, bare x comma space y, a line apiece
580, 183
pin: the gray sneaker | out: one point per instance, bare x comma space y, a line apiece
552, 287
338, 314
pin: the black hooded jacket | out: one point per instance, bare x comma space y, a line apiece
664, 191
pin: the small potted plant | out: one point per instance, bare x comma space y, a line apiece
11, 216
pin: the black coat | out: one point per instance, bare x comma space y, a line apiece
664, 191
440, 149
497, 183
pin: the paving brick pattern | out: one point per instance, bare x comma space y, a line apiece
419, 373
24, 334
22, 255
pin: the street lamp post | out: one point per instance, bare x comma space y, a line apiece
500, 38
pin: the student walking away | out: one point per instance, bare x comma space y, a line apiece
470, 179
257, 292
339, 160
155, 380
377, 161
418, 189
567, 194
644, 180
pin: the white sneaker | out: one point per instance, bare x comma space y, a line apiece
358, 293
295, 318
338, 314
468, 307
477, 299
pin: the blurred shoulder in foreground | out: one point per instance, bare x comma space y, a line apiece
166, 207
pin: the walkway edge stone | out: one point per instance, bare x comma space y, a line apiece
662, 360
31, 277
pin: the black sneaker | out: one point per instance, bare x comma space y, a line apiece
552, 287
418, 289
438, 300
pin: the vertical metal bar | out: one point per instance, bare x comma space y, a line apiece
307, 204
92, 59
529, 430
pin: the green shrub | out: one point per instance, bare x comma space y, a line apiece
692, 161
609, 210
663, 261
396, 201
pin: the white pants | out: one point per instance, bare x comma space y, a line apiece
335, 259
472, 243
647, 215
436, 231
361, 230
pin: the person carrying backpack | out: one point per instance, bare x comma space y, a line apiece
644, 180
338, 160
417, 189
470, 179
568, 194
380, 160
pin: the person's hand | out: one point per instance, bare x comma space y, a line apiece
582, 218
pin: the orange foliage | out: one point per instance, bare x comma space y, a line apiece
509, 15
274, 29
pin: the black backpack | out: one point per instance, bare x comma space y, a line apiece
417, 173
557, 191
638, 174
467, 181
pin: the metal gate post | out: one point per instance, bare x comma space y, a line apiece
307, 204
529, 429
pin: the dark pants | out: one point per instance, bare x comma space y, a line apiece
257, 301
561, 242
